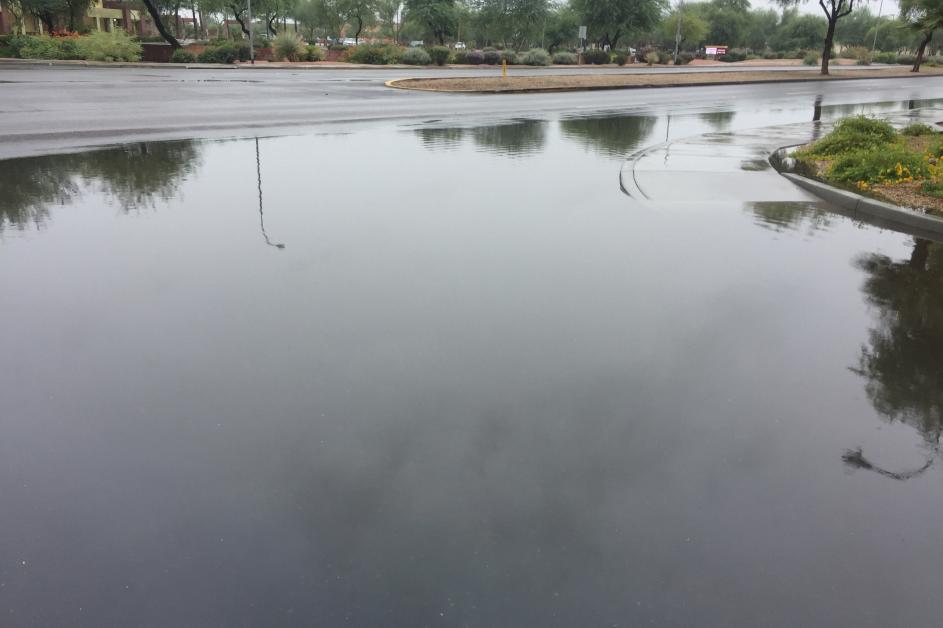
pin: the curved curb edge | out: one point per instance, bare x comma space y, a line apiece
862, 205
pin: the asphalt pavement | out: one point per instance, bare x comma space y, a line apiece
62, 108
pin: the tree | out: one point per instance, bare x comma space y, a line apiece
798, 32
761, 25
438, 16
514, 23
694, 28
358, 13
608, 21
562, 27
390, 14
154, 11
834, 10
925, 17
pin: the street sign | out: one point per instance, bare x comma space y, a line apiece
712, 51
582, 32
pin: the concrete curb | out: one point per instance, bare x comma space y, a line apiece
864, 206
401, 84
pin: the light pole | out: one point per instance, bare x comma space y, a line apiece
678, 31
877, 25
251, 47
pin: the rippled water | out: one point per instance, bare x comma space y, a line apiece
451, 375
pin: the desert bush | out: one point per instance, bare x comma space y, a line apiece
854, 134
313, 53
290, 47
222, 53
733, 55
596, 57
509, 56
535, 56
906, 59
917, 128
565, 58
492, 57
664, 57
460, 57
416, 56
379, 54
182, 56
104, 46
42, 47
810, 59
878, 165
620, 58
337, 47
439, 54
685, 58
474, 57
885, 57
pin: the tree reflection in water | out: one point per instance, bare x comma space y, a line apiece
520, 137
135, 176
612, 136
903, 359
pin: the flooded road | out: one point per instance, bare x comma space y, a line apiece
449, 374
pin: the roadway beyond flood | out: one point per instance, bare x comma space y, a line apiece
59, 108
401, 359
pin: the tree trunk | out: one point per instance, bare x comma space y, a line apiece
829, 37
270, 28
159, 24
48, 22
242, 25
177, 20
920, 254
921, 50
359, 28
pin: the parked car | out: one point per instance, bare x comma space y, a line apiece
417, 43
460, 45
349, 41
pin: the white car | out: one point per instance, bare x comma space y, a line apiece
417, 43
460, 45
350, 41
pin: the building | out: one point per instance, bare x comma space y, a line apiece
103, 15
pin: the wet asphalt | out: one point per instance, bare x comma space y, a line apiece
45, 109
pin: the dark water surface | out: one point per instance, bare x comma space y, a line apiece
452, 376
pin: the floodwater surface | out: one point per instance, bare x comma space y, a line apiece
449, 375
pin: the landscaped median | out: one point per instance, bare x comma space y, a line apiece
871, 158
576, 82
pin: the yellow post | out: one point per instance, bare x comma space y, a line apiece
504, 68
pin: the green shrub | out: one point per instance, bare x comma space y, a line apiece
810, 59
885, 57
224, 53
906, 59
620, 58
491, 57
182, 56
439, 55
377, 54
664, 58
685, 58
416, 56
337, 47
877, 165
313, 53
69, 49
460, 57
854, 134
42, 47
565, 58
509, 56
917, 128
535, 56
474, 57
288, 46
104, 46
733, 55
596, 57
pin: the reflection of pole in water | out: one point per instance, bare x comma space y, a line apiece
855, 459
817, 109
258, 174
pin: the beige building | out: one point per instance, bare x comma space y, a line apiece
103, 15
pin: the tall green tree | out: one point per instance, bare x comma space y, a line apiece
608, 21
437, 16
834, 10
